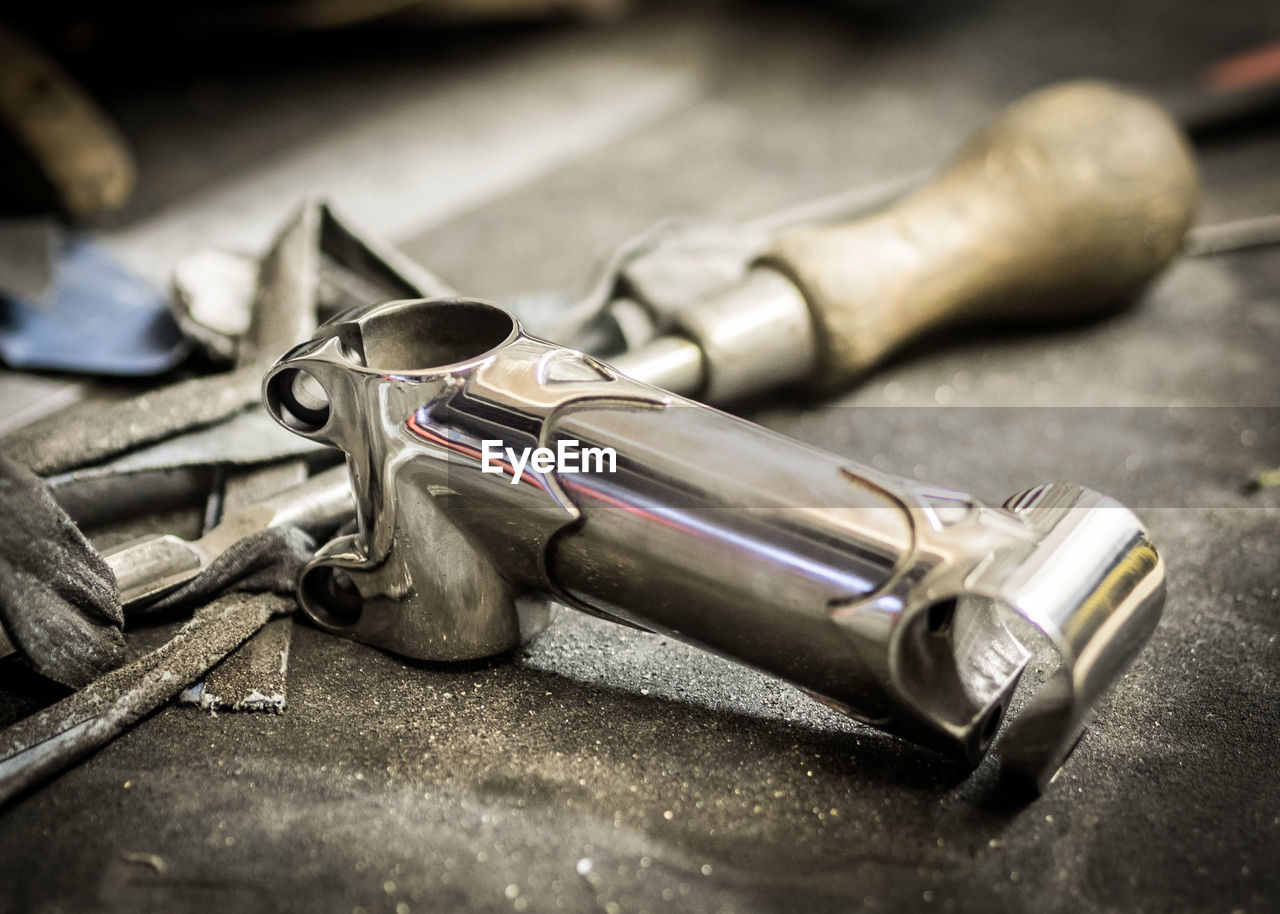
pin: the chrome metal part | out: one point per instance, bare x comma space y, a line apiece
881, 596
754, 337
671, 362
750, 338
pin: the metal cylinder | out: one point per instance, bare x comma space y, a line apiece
720, 532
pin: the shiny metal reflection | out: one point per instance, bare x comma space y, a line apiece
880, 596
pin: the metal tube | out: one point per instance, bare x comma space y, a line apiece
718, 532
673, 363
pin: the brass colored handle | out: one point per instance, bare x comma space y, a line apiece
1063, 207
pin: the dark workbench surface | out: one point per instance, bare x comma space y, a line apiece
602, 768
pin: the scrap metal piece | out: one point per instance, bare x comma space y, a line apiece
216, 291
100, 427
244, 489
883, 596
111, 498
358, 266
252, 678
247, 438
213, 299
39, 747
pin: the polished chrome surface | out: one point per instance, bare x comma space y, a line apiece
750, 338
671, 362
755, 337
881, 596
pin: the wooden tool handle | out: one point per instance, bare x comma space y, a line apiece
1063, 207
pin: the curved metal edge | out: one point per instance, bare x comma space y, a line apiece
1098, 624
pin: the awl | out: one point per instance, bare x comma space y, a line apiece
1061, 209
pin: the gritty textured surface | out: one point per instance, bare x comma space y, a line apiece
605, 769
253, 678
41, 746
268, 561
59, 603
99, 428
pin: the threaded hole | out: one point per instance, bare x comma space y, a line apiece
299, 399
331, 598
940, 616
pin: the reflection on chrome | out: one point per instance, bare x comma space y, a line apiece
883, 597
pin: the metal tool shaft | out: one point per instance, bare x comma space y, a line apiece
495, 473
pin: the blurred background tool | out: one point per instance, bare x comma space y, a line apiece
1061, 209
680, 262
57, 149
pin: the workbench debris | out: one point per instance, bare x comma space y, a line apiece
44, 744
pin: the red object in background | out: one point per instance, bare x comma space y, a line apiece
1251, 69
